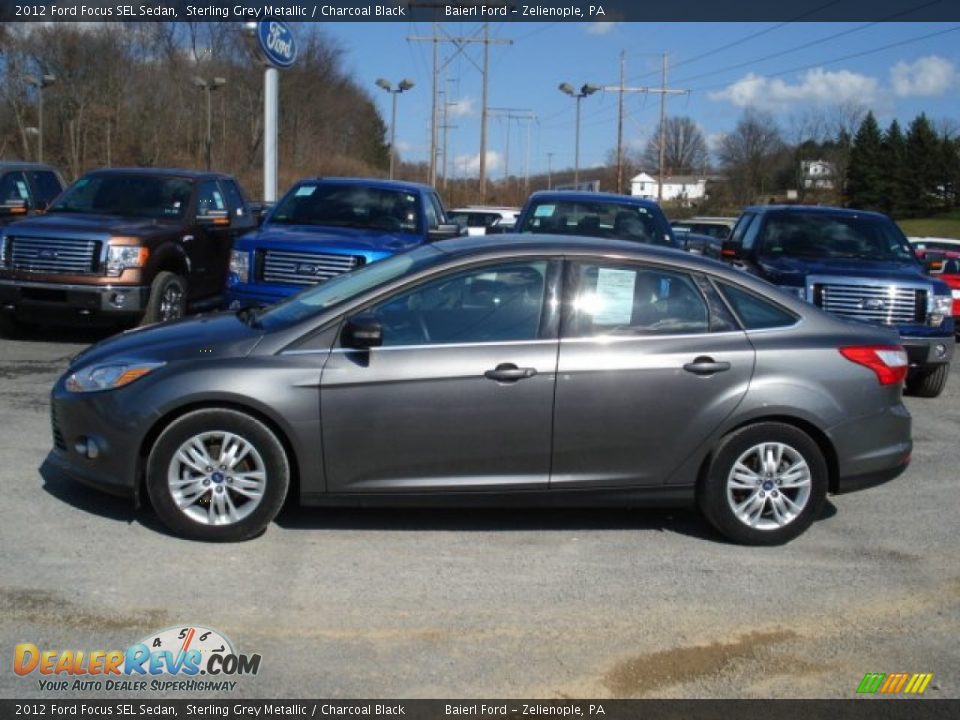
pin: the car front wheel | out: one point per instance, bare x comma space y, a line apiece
217, 475
168, 299
766, 484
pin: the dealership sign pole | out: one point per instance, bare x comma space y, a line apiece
274, 45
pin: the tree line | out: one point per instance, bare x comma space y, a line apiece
126, 95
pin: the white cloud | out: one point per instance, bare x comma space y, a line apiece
461, 108
817, 86
404, 147
927, 77
714, 140
470, 164
600, 28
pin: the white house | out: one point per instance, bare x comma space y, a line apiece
817, 174
684, 188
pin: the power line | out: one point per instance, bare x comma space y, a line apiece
852, 56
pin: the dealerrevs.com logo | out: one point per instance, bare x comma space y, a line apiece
190, 658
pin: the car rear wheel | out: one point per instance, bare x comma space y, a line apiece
217, 475
766, 484
929, 382
168, 299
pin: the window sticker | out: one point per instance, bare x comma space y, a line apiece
218, 200
544, 210
306, 190
22, 189
614, 296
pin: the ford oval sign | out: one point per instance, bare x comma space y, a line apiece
276, 43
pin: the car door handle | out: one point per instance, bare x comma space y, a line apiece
508, 372
704, 365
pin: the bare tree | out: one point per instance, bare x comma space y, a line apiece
685, 149
747, 152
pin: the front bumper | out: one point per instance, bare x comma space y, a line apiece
51, 298
933, 350
81, 421
872, 450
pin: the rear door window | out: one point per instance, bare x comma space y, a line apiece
46, 184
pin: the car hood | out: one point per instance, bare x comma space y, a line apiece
66, 223
217, 335
334, 238
793, 271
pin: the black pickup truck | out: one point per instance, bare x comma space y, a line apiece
122, 246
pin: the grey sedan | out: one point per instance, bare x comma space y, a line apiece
534, 370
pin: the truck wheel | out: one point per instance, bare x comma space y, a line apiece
218, 475
928, 382
168, 299
766, 484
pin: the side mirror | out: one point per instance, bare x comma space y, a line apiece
14, 208
445, 231
362, 333
259, 211
218, 218
933, 265
731, 250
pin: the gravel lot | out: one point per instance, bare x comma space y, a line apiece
439, 603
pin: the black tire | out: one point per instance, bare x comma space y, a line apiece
712, 495
168, 299
188, 523
928, 382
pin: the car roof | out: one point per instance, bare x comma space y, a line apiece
815, 209
381, 183
7, 165
583, 196
163, 172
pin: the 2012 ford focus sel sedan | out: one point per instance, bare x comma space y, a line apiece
534, 370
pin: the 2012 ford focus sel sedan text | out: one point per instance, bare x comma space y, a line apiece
534, 370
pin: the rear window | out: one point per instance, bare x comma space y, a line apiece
756, 313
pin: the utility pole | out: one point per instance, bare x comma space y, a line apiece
662, 91
460, 42
511, 114
549, 171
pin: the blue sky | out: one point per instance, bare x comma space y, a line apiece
898, 81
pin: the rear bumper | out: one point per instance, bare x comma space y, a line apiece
54, 298
872, 450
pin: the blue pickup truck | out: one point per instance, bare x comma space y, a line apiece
327, 226
856, 264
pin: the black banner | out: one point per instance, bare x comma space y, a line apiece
863, 709
479, 10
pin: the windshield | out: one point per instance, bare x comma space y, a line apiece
596, 219
133, 195
350, 206
819, 235
343, 287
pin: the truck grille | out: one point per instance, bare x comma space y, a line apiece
301, 268
54, 256
889, 305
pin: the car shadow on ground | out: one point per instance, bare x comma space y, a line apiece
680, 521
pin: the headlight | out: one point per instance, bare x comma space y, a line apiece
942, 307
795, 290
121, 257
108, 376
239, 266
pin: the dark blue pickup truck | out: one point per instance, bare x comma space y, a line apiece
856, 264
327, 226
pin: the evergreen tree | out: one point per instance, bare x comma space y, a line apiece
895, 188
950, 171
865, 169
923, 176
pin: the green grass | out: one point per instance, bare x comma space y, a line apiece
947, 226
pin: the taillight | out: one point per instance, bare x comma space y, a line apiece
889, 362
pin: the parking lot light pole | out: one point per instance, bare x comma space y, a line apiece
40, 83
402, 86
208, 87
585, 90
